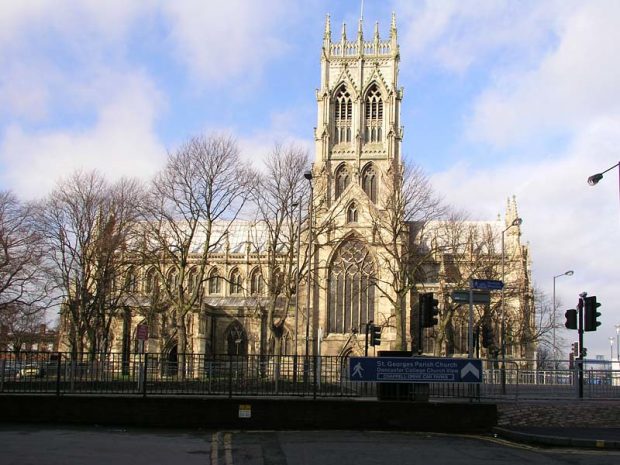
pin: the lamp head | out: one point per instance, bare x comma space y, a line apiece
569, 273
308, 175
595, 178
516, 222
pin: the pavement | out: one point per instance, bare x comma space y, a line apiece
580, 424
588, 437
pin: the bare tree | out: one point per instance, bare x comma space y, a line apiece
191, 205
465, 250
87, 224
20, 324
281, 191
22, 272
409, 200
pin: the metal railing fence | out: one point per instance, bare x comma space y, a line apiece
269, 375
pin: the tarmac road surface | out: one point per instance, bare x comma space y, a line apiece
24, 445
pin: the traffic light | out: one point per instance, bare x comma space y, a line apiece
375, 335
571, 319
487, 336
429, 310
584, 352
575, 349
590, 322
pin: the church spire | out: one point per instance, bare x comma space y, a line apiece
327, 35
344, 32
393, 32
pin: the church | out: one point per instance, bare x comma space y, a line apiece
369, 260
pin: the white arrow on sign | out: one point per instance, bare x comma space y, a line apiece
470, 368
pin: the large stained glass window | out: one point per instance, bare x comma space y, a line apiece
352, 288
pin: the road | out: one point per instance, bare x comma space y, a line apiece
26, 445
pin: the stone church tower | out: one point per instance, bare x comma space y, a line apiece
358, 149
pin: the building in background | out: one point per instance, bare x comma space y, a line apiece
371, 253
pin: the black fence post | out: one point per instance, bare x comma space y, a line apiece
59, 357
144, 373
230, 370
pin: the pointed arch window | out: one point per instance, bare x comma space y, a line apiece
352, 213
192, 281
215, 284
342, 180
343, 115
173, 280
374, 115
256, 283
236, 284
152, 282
352, 288
369, 182
131, 280
277, 281
236, 340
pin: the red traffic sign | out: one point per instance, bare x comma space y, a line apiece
142, 332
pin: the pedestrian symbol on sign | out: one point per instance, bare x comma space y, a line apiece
358, 370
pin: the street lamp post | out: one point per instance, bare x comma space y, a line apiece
618, 342
308, 176
515, 222
595, 178
555, 311
297, 279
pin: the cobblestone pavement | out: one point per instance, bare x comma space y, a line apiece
570, 413
588, 424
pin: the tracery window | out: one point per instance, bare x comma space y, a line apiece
235, 282
152, 282
343, 112
369, 182
374, 115
215, 285
342, 180
131, 280
352, 213
352, 288
236, 340
256, 283
192, 280
277, 281
173, 280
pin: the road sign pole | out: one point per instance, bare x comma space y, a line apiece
470, 337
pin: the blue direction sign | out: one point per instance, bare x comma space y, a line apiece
415, 370
490, 284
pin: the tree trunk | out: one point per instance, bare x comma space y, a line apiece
181, 344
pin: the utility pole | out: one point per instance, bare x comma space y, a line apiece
580, 305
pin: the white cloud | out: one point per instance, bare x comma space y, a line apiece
575, 82
120, 143
456, 34
569, 224
220, 40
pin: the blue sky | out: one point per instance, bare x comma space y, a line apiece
502, 98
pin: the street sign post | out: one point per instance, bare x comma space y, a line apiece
488, 284
415, 369
462, 297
